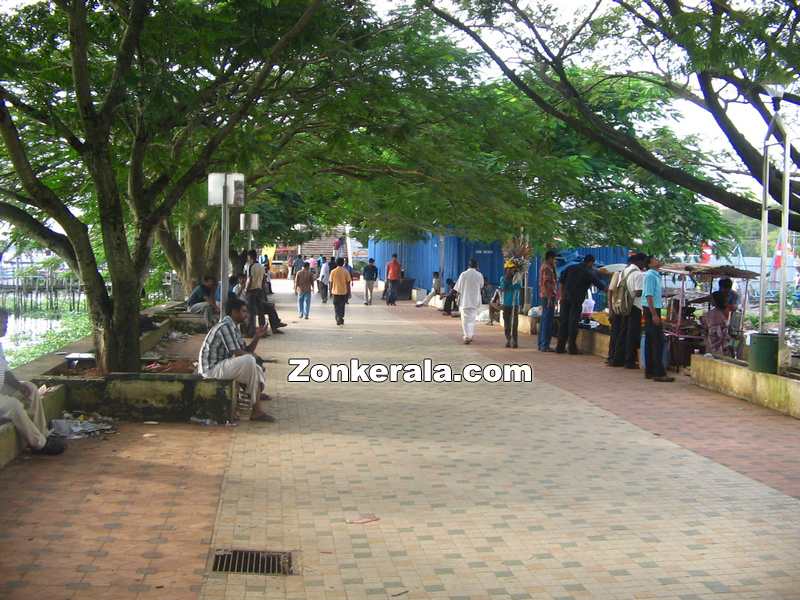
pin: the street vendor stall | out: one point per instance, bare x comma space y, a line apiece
713, 331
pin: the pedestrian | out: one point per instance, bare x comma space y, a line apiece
33, 431
224, 355
254, 292
349, 269
393, 270
340, 289
576, 283
451, 299
468, 287
370, 275
324, 280
297, 264
436, 289
510, 288
548, 296
627, 305
303, 284
202, 301
653, 329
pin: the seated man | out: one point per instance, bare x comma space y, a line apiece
451, 300
436, 290
224, 355
34, 432
202, 301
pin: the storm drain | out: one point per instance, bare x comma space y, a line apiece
256, 562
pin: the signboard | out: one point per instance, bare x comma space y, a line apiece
234, 185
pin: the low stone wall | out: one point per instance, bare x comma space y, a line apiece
149, 396
734, 379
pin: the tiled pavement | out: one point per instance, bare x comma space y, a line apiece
484, 490
125, 518
557, 489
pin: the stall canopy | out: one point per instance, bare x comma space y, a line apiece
706, 273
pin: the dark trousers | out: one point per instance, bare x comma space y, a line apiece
323, 290
568, 325
339, 302
626, 350
450, 303
619, 325
272, 315
511, 322
391, 291
254, 311
654, 339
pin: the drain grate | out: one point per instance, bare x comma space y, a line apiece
258, 562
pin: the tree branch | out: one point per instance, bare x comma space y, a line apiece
46, 118
48, 238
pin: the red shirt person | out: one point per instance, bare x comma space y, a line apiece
393, 272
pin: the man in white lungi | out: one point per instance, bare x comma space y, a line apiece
224, 355
32, 430
469, 286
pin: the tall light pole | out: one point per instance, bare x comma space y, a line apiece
225, 190
776, 123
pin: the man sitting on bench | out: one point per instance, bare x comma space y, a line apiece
33, 431
224, 355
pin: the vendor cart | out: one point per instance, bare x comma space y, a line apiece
687, 334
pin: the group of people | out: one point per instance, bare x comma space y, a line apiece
253, 286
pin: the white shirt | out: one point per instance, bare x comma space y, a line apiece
634, 283
3, 368
324, 273
469, 286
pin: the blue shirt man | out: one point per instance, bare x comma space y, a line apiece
652, 287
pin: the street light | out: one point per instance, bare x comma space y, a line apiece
225, 190
775, 92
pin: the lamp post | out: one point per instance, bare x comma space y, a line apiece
775, 92
225, 190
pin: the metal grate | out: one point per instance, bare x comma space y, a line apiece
257, 562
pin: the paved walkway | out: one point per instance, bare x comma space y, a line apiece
564, 488
483, 490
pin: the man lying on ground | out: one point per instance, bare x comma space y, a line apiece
33, 431
224, 355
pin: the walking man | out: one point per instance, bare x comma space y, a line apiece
653, 328
548, 295
340, 289
510, 289
469, 286
393, 268
370, 275
224, 355
255, 292
303, 284
577, 282
324, 280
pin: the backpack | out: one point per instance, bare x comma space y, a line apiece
623, 300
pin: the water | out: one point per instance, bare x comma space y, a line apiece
25, 331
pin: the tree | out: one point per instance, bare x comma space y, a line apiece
133, 82
712, 46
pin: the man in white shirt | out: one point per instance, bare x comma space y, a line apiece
468, 287
324, 280
632, 332
33, 431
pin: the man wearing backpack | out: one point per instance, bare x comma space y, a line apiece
628, 314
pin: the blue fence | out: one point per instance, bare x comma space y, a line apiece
420, 259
